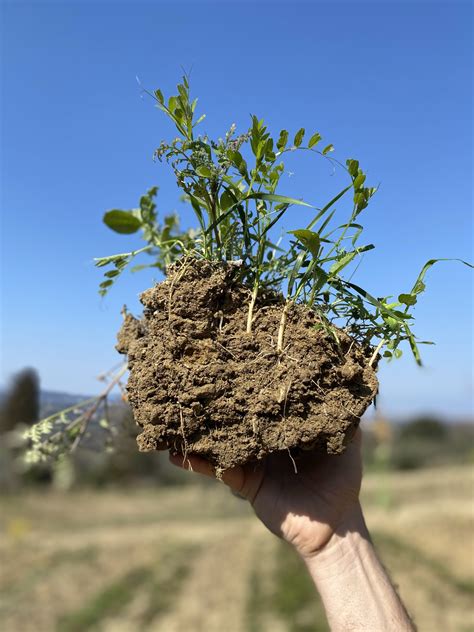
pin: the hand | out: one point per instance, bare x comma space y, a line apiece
306, 506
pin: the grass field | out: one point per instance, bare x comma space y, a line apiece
194, 558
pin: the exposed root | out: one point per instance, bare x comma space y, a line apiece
185, 443
292, 460
281, 330
376, 352
175, 280
251, 308
225, 349
286, 390
220, 314
350, 349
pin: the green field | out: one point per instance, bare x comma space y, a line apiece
194, 558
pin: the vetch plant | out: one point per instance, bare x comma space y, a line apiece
256, 341
236, 205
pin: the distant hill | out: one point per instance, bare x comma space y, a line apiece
53, 401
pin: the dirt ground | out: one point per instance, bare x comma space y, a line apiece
194, 558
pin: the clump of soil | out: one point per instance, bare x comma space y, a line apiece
200, 384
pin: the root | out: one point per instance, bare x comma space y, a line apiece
185, 443
225, 349
220, 314
324, 403
176, 278
251, 308
376, 352
292, 460
281, 330
350, 348
284, 397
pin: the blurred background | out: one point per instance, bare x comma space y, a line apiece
108, 538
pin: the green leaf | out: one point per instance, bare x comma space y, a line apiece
123, 222
315, 138
183, 93
172, 102
100, 262
346, 259
273, 197
203, 171
393, 323
227, 199
419, 286
299, 137
407, 299
140, 266
239, 162
309, 239
413, 345
352, 167
281, 144
328, 206
327, 149
359, 181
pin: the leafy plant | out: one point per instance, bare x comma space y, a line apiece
232, 185
164, 242
62, 432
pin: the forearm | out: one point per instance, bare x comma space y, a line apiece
355, 589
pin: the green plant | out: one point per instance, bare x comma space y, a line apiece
231, 184
62, 432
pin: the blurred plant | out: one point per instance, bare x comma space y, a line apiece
62, 432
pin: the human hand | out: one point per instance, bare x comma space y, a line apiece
306, 506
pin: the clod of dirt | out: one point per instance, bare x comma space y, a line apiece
200, 384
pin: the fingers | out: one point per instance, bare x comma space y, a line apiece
357, 438
233, 477
193, 463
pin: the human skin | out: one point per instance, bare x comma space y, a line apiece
314, 505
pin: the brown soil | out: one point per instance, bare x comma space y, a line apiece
200, 384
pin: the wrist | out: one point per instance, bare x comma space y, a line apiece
346, 537
354, 587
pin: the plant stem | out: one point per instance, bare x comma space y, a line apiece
87, 416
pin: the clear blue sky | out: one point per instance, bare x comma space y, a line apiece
388, 83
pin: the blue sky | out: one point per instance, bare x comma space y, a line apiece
388, 83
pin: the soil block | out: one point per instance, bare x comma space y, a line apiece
200, 384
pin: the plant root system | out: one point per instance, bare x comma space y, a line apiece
200, 383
